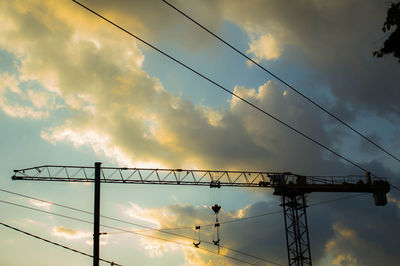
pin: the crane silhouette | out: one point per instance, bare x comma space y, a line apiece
292, 189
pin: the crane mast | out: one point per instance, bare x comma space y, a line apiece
292, 188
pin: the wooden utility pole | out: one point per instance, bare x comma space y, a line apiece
96, 218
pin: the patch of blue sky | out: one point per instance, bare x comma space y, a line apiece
293, 68
371, 124
22, 137
8, 62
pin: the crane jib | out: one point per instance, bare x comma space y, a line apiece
285, 183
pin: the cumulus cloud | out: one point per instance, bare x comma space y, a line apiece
265, 47
117, 109
157, 248
44, 205
334, 40
165, 217
18, 111
121, 111
354, 231
394, 200
70, 233
9, 82
10, 88
187, 216
346, 248
337, 236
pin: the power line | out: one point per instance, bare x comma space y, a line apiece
283, 82
55, 243
269, 213
179, 228
127, 222
228, 91
144, 235
338, 199
222, 247
164, 230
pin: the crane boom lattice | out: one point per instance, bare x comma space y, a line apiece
188, 177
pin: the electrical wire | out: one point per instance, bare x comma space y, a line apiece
190, 245
55, 243
144, 235
164, 230
284, 82
123, 221
228, 91
176, 228
338, 199
268, 213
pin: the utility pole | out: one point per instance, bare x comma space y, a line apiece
96, 218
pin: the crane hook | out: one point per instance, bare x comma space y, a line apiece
216, 208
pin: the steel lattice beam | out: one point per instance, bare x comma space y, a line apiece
172, 176
297, 238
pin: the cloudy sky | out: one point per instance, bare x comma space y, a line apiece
75, 90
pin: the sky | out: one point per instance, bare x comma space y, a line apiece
75, 90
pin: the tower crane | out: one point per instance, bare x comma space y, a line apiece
292, 189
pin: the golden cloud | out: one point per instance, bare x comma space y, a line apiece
265, 47
343, 231
69, 233
45, 205
181, 216
119, 110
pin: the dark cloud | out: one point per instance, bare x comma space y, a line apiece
351, 231
157, 22
366, 147
337, 39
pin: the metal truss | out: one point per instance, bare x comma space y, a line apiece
211, 178
145, 176
297, 239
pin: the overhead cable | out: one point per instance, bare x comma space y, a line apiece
178, 228
228, 91
119, 220
284, 82
137, 233
165, 230
55, 243
268, 213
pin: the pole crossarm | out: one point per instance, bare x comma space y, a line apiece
213, 178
